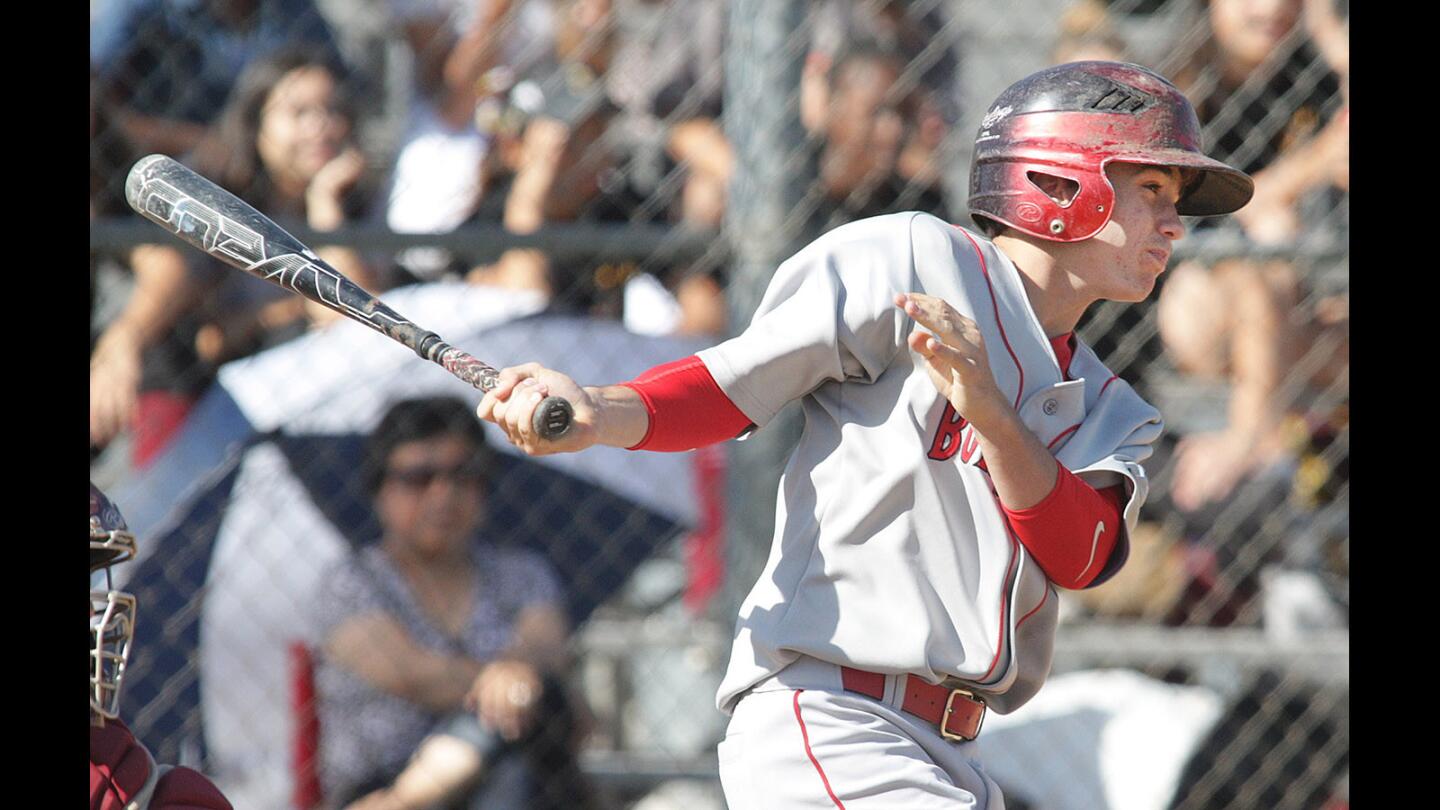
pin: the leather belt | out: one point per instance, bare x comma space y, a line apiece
958, 713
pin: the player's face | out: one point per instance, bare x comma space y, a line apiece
301, 125
1125, 258
432, 497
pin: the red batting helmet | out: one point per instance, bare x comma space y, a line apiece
1072, 120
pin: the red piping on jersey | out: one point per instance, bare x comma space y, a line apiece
1044, 597
1063, 434
804, 735
1004, 601
995, 304
1113, 378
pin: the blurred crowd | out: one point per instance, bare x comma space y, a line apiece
431, 116
517, 114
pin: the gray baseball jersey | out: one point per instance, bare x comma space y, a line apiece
891, 552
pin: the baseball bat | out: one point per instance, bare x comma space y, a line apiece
219, 223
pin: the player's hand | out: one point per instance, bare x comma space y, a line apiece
511, 406
506, 695
955, 356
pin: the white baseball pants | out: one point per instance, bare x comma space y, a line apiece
828, 749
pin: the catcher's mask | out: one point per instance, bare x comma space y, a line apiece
112, 612
1070, 122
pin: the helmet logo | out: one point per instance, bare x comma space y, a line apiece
993, 117
1028, 212
1123, 98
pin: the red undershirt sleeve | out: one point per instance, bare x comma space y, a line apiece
1073, 532
687, 409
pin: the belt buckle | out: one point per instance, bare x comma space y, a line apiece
945, 732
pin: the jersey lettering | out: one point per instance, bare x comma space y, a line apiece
955, 435
969, 445
947, 436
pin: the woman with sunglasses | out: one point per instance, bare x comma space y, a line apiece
433, 629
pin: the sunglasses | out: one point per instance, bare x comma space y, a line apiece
423, 476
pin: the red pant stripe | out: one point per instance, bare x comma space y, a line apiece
806, 737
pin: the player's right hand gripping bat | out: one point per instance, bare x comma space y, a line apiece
219, 223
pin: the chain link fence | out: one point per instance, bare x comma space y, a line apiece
605, 185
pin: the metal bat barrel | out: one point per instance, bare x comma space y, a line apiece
225, 227
212, 219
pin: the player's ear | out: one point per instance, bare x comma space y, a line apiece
1060, 189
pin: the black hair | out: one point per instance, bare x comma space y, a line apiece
990, 227
419, 419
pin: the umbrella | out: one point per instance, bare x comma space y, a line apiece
258, 495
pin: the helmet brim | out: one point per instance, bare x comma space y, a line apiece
1220, 189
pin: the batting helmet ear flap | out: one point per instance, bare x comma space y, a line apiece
1016, 200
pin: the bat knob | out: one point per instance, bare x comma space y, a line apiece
552, 418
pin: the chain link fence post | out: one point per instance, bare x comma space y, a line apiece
763, 124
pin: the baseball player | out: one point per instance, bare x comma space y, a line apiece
964, 455
123, 775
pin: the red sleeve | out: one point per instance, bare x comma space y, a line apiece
687, 409
183, 789
1073, 532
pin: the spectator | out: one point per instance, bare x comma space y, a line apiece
868, 117
466, 54
1257, 63
432, 624
905, 27
1257, 81
111, 156
666, 77
1275, 107
282, 145
1087, 34
566, 171
122, 389
169, 65
930, 75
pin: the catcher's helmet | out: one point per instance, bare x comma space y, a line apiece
112, 612
1070, 121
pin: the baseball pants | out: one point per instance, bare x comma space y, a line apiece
789, 747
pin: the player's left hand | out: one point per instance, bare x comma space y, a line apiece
955, 356
506, 695
511, 406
